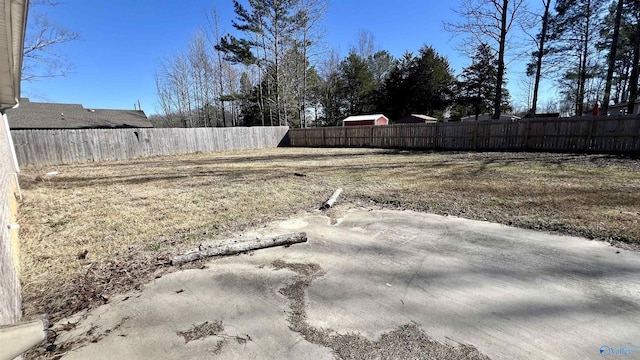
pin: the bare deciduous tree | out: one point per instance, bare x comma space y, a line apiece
490, 22
199, 87
310, 13
41, 55
366, 46
214, 35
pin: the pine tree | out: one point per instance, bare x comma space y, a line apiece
357, 84
574, 35
418, 84
478, 85
268, 26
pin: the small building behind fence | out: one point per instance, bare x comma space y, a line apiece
39, 115
417, 119
489, 117
621, 108
365, 120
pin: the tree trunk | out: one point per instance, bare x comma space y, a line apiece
582, 77
497, 105
543, 35
612, 59
303, 114
276, 64
633, 85
238, 245
220, 66
578, 102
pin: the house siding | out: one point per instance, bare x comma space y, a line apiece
10, 298
382, 121
359, 123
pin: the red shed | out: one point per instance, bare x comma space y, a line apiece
363, 120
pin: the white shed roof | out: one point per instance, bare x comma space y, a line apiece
365, 117
13, 19
424, 117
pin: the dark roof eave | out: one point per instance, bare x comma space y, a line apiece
12, 42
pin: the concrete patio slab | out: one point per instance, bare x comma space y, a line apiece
508, 292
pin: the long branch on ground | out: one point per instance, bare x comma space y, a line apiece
95, 230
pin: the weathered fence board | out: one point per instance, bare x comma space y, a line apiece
584, 134
51, 147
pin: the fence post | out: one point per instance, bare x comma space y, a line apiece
435, 136
345, 136
475, 136
324, 137
587, 144
371, 137
526, 135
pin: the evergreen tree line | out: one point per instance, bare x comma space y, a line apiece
590, 49
274, 70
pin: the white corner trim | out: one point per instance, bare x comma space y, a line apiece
5, 120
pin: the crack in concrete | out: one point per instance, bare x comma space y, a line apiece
406, 341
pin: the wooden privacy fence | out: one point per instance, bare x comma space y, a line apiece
52, 147
585, 134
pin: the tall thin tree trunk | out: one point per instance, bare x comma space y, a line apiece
582, 77
277, 79
267, 79
260, 90
543, 35
633, 84
612, 59
497, 105
260, 97
578, 103
303, 113
216, 22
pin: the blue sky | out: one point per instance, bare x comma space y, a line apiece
123, 40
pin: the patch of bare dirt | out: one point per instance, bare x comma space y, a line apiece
214, 328
202, 331
406, 342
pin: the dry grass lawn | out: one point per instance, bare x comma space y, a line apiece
129, 217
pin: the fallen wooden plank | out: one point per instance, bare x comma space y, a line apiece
332, 200
238, 245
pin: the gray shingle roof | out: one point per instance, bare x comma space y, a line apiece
37, 115
416, 118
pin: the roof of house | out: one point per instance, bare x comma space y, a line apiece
424, 117
488, 117
417, 118
624, 104
37, 115
365, 117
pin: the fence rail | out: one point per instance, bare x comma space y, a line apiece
585, 134
52, 147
